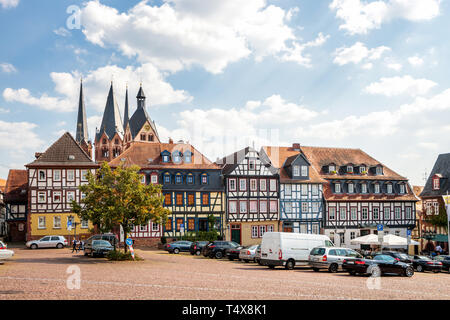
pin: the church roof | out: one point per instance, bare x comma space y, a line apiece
82, 129
111, 122
138, 120
126, 117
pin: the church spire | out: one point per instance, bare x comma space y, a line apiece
126, 117
82, 130
111, 121
140, 98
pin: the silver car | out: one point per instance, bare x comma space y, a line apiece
330, 258
48, 242
248, 254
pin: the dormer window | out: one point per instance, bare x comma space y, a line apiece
362, 169
251, 164
166, 177
363, 188
351, 187
402, 188
349, 169
296, 171
165, 158
304, 171
337, 187
188, 157
376, 188
379, 170
436, 183
204, 178
389, 188
176, 156
331, 168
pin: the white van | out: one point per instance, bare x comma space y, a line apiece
290, 249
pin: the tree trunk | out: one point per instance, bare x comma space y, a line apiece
125, 240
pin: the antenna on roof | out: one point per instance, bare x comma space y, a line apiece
425, 176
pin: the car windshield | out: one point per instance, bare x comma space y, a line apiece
403, 256
101, 243
234, 244
423, 258
384, 257
318, 251
328, 243
351, 253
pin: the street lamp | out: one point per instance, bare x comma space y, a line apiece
71, 218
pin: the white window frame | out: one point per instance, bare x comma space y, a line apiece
376, 188
389, 188
379, 171
44, 199
242, 184
273, 206
232, 184
315, 206
408, 212
315, 190
436, 183
232, 206
251, 163
287, 189
376, 213
253, 203
273, 185
402, 188
255, 231
155, 227
363, 188
70, 173
262, 230
55, 225
154, 178
243, 207
253, 185
270, 228
262, 185
55, 193
385, 211
304, 189
342, 213
263, 206
42, 223
288, 207
39, 175
353, 213
296, 171
304, 171
57, 175
351, 188
337, 187
397, 213
364, 213
83, 174
305, 207
332, 213
84, 223
68, 193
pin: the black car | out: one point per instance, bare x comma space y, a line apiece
197, 246
217, 249
178, 246
98, 248
377, 266
423, 263
110, 237
445, 260
233, 253
399, 256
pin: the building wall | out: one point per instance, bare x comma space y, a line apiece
37, 233
247, 236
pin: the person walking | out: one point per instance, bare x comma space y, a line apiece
74, 245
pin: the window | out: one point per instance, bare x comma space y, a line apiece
365, 213
84, 224
408, 212
288, 207
304, 171
254, 231
287, 190
353, 213
402, 188
397, 213
57, 222
349, 169
204, 178
332, 213
379, 170
343, 213
142, 178
41, 223
168, 199
397, 233
270, 228
42, 175
296, 171
304, 189
251, 164
57, 175
377, 188
187, 157
273, 185
178, 178
179, 223
315, 207
166, 177
387, 213
142, 227
337, 187
191, 224
436, 183
253, 185
389, 188
232, 206
331, 168
205, 199
363, 188
242, 184
84, 175
41, 197
315, 229
57, 196
176, 158
165, 158
305, 207
155, 227
154, 178
232, 184
352, 235
262, 185
179, 199
70, 175
70, 196
143, 137
273, 206
243, 207
191, 199
362, 169
253, 206
436, 208
150, 137
315, 190
350, 188
262, 230
376, 213
168, 226
263, 206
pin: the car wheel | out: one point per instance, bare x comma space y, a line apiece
260, 263
419, 268
316, 269
333, 268
290, 264
59, 245
34, 246
198, 252
409, 272
219, 255
352, 273
271, 267
176, 251
374, 271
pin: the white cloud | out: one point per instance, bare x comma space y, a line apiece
394, 66
7, 68
9, 3
180, 34
63, 32
17, 138
415, 61
400, 85
358, 53
96, 86
3, 110
361, 16
296, 54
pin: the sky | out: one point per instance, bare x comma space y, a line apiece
227, 74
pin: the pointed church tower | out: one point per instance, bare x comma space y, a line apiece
126, 118
140, 126
109, 137
82, 136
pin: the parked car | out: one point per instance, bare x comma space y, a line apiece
403, 257
110, 237
197, 246
4, 252
233, 253
330, 258
48, 242
423, 263
217, 248
178, 246
258, 255
98, 248
290, 249
377, 266
248, 254
445, 260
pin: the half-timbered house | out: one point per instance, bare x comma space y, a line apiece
191, 185
53, 181
361, 193
2, 209
437, 185
252, 191
301, 192
16, 200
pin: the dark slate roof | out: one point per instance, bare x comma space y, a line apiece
16, 186
230, 162
141, 93
111, 122
82, 129
137, 121
58, 154
442, 167
126, 117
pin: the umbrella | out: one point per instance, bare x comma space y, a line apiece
393, 240
367, 239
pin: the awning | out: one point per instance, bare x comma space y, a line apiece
440, 238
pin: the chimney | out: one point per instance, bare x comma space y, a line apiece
37, 155
296, 146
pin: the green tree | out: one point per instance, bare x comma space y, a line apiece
118, 198
440, 220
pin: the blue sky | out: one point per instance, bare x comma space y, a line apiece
339, 73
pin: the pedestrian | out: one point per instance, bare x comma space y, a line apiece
439, 249
74, 245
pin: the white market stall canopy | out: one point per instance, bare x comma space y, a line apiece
388, 240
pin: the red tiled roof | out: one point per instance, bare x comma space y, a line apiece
148, 155
17, 181
2, 185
